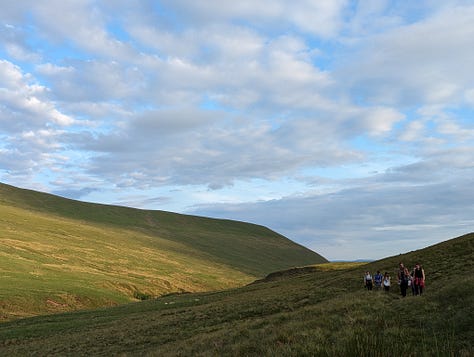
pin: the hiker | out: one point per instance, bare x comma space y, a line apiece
418, 279
378, 280
410, 281
368, 280
403, 277
386, 282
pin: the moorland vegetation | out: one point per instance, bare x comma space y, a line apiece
321, 310
201, 279
58, 254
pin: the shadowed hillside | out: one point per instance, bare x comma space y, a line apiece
59, 254
317, 311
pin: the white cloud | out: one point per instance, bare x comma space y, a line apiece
50, 69
340, 111
83, 24
20, 53
414, 131
381, 120
25, 103
10, 75
322, 18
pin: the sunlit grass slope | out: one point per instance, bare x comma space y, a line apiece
58, 254
321, 310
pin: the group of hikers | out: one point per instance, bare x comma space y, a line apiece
414, 279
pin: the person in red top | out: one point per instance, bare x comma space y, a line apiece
418, 279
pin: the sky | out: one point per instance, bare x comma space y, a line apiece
347, 126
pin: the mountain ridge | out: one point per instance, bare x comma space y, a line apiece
71, 255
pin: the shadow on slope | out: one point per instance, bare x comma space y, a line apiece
249, 248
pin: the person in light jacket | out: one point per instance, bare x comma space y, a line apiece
386, 282
368, 280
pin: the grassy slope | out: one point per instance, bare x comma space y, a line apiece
59, 254
321, 311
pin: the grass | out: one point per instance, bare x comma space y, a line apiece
246, 247
321, 311
61, 255
52, 265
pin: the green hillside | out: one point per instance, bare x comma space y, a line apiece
314, 311
59, 254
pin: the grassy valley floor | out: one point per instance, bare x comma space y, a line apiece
317, 312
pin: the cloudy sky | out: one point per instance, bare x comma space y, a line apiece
347, 126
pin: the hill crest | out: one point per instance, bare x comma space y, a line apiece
62, 254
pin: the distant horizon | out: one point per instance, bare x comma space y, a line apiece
353, 261
346, 126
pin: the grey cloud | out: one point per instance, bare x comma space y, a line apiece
14, 40
318, 18
16, 163
424, 62
75, 193
438, 166
14, 11
389, 219
234, 94
83, 24
29, 153
211, 148
95, 81
157, 123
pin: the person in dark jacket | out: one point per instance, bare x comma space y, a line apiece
403, 277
